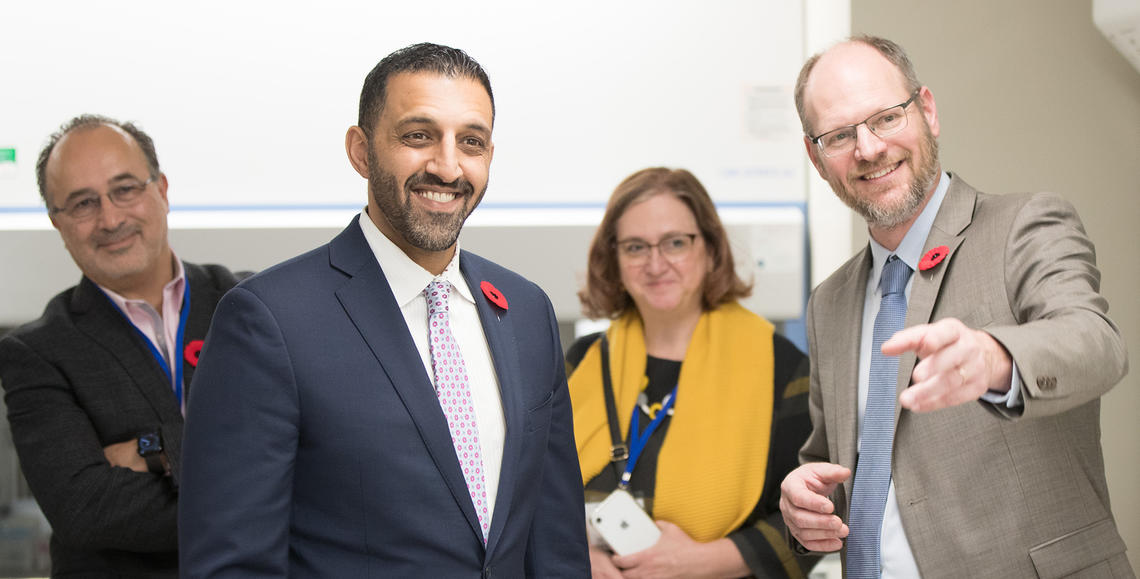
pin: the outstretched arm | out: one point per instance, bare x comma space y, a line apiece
1065, 348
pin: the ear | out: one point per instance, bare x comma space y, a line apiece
356, 145
162, 185
813, 154
929, 109
54, 223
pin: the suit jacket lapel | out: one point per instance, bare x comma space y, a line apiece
847, 316
98, 318
949, 224
368, 301
498, 328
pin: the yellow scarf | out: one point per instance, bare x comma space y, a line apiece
710, 471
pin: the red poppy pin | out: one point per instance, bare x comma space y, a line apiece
933, 257
191, 352
493, 294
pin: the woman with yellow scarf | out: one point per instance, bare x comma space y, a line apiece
718, 399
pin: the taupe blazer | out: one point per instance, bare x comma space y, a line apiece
983, 491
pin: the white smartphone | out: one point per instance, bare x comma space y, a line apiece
624, 526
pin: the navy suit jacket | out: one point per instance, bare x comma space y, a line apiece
316, 447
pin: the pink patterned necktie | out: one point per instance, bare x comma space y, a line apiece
455, 396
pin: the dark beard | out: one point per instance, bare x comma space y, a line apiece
426, 230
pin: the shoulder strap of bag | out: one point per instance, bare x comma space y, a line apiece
619, 451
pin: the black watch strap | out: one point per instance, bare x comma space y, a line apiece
154, 463
150, 448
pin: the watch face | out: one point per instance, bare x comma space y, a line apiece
150, 444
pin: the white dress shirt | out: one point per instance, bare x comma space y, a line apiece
408, 280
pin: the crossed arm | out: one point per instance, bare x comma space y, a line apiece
91, 501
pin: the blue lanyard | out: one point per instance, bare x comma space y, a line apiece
179, 348
638, 438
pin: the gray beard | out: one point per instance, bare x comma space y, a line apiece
880, 216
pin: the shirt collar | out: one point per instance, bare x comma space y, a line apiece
910, 248
406, 277
173, 291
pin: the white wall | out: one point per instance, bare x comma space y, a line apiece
248, 104
249, 101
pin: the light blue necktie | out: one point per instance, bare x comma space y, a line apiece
873, 472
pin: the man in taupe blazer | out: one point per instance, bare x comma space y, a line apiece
996, 468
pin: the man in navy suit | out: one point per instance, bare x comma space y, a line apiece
326, 439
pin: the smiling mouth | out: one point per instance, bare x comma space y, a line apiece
116, 241
438, 196
115, 245
881, 172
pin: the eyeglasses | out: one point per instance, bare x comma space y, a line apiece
88, 205
883, 123
672, 247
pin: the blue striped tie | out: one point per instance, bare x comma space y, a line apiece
873, 472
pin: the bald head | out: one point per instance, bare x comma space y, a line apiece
85, 122
90, 158
853, 63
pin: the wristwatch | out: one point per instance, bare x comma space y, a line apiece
150, 448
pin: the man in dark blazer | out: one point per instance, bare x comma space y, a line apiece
93, 386
995, 469
318, 443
